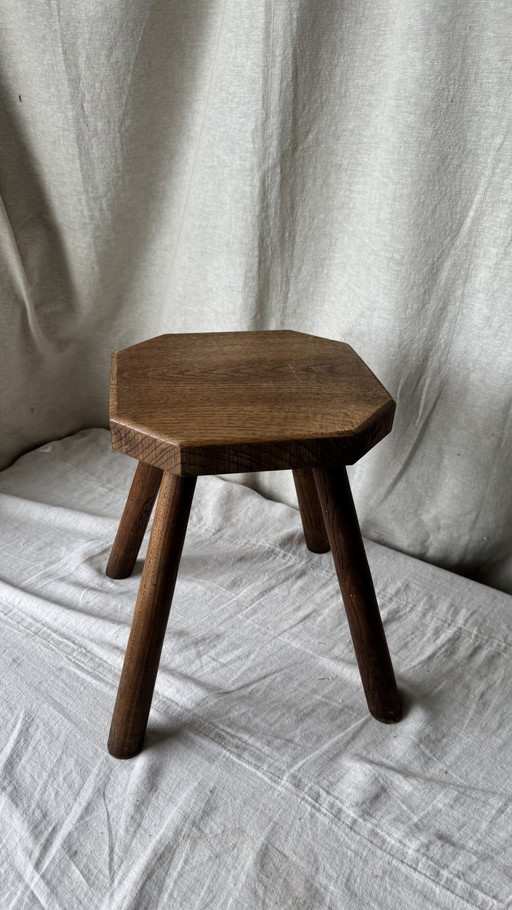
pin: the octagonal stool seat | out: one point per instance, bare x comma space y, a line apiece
219, 403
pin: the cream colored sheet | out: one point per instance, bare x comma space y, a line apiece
264, 782
336, 167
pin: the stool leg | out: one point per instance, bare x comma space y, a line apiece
358, 594
149, 623
134, 521
310, 510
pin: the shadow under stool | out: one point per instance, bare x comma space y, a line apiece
228, 402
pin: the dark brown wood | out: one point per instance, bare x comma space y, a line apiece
310, 510
358, 594
242, 401
133, 524
224, 402
149, 623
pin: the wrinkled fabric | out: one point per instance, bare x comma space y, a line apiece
264, 782
341, 168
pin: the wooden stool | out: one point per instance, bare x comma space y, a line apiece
220, 403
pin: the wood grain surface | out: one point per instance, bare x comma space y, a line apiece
245, 401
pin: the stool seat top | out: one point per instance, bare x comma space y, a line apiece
224, 402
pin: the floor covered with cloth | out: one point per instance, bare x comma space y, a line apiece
264, 782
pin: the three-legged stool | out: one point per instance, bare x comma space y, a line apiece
219, 403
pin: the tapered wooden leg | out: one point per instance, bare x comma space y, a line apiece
149, 623
358, 594
310, 510
134, 521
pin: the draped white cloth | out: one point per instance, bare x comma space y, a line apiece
264, 783
340, 167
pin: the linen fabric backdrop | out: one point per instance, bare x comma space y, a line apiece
340, 167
